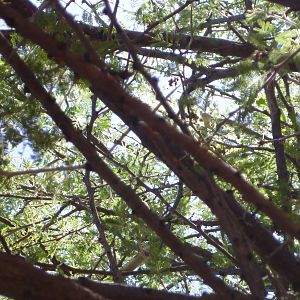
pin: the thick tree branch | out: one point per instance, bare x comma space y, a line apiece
116, 291
293, 4
20, 280
281, 165
177, 41
173, 40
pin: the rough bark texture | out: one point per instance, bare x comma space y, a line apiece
20, 280
293, 4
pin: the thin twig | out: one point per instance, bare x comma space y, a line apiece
117, 276
42, 170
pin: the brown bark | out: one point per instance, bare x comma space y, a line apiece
282, 171
293, 4
20, 280
117, 291
174, 40
179, 41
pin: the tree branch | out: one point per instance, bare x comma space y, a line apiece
42, 170
20, 280
293, 4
